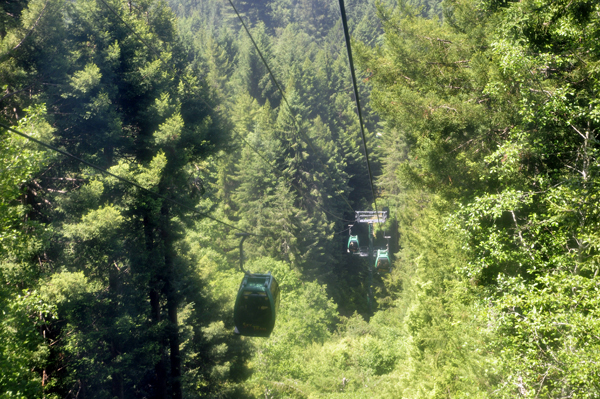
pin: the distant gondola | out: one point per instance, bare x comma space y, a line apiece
256, 305
382, 262
353, 244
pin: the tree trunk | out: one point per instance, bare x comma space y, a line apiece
160, 368
174, 343
172, 304
114, 287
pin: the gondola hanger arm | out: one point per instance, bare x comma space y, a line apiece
244, 236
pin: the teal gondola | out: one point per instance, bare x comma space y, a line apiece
382, 262
353, 244
256, 305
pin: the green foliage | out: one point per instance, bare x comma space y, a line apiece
517, 126
20, 161
23, 351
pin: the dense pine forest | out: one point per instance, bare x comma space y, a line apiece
164, 135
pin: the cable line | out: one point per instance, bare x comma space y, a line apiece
304, 136
362, 130
158, 54
122, 179
343, 231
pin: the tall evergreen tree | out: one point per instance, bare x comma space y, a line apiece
116, 287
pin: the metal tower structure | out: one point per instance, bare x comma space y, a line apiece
370, 217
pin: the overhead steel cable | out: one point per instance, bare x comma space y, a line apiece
158, 54
122, 179
343, 231
356, 98
304, 136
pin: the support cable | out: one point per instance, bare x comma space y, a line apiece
122, 179
304, 136
360, 118
343, 231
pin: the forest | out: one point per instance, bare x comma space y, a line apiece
140, 139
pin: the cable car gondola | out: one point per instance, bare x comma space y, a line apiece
382, 262
256, 305
353, 244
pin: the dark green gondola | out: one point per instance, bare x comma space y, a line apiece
256, 305
382, 262
353, 244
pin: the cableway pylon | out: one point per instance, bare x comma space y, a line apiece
380, 262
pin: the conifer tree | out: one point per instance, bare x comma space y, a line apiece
115, 286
